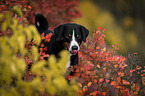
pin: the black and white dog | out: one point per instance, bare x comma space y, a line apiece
67, 36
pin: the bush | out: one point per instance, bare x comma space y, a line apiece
104, 73
17, 51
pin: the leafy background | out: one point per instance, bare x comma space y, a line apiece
111, 62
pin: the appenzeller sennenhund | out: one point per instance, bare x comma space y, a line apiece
67, 36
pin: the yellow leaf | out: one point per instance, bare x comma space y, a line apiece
52, 63
37, 66
35, 53
60, 83
14, 25
51, 90
63, 61
21, 44
8, 17
21, 65
4, 26
1, 16
135, 93
17, 10
36, 35
28, 33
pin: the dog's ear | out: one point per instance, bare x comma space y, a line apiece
85, 33
41, 22
58, 31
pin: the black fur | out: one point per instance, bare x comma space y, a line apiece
60, 36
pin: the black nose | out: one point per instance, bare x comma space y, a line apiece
74, 47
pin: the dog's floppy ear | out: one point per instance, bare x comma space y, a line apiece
58, 31
41, 22
85, 33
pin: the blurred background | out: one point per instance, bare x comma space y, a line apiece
124, 21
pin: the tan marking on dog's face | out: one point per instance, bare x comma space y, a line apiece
66, 45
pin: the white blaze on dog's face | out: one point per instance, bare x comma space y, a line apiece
74, 46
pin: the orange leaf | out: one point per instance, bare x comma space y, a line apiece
94, 54
84, 89
95, 35
98, 47
135, 93
113, 83
104, 93
89, 84
125, 82
101, 80
79, 84
118, 79
98, 66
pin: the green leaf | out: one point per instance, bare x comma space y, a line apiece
17, 10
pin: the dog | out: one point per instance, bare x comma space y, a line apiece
67, 36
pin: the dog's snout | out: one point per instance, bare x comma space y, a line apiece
74, 47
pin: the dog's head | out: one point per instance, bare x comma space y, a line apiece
72, 35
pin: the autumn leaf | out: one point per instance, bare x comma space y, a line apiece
79, 84
99, 28
101, 80
89, 84
125, 82
113, 83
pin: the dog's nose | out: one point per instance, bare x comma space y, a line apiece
74, 47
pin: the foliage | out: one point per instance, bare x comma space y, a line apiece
16, 52
103, 73
56, 11
100, 72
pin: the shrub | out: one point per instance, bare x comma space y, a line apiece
104, 73
17, 50
56, 11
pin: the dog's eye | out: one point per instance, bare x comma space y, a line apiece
68, 36
78, 36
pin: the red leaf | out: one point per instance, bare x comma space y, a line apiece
101, 80
125, 82
99, 28
42, 45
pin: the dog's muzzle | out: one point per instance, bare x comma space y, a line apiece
74, 50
